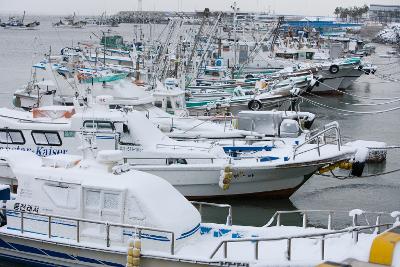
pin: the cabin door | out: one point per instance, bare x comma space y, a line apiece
91, 211
112, 212
103, 206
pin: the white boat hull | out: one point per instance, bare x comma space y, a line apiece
41, 252
202, 182
350, 78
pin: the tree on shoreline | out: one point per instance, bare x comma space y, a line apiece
351, 13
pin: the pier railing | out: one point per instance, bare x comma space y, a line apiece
323, 236
317, 137
107, 225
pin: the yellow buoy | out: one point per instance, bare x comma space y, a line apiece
138, 244
133, 252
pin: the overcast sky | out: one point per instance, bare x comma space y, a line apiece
89, 7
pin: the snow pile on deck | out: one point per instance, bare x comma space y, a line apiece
389, 35
304, 251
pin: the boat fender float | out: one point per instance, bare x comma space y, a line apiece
17, 101
359, 161
357, 168
345, 165
334, 69
254, 104
133, 257
225, 178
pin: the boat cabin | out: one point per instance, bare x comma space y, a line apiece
296, 55
96, 190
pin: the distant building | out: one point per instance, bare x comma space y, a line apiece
384, 13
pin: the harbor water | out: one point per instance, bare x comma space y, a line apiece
19, 49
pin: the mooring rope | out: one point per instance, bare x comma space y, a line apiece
350, 111
346, 103
353, 95
342, 177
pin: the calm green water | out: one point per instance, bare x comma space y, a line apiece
19, 49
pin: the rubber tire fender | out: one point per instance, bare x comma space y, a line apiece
357, 168
334, 69
254, 104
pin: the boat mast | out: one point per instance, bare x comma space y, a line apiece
196, 39
104, 48
23, 18
213, 33
235, 9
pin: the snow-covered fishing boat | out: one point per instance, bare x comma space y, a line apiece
331, 75
19, 24
57, 84
271, 94
70, 22
94, 211
262, 167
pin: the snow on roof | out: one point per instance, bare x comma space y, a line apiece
144, 131
162, 205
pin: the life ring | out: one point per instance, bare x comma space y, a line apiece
334, 69
254, 104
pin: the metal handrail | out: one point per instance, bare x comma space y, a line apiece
107, 225
354, 230
256, 158
181, 146
229, 207
167, 158
316, 137
304, 213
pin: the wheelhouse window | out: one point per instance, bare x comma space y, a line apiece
111, 201
92, 199
45, 138
98, 126
11, 137
63, 196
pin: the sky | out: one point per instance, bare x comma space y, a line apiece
93, 7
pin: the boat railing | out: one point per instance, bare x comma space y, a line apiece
108, 225
317, 137
323, 236
355, 214
168, 160
173, 146
228, 120
217, 205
